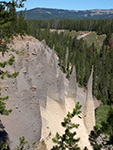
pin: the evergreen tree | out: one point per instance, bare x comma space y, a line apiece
103, 137
22, 24
68, 140
4, 22
13, 18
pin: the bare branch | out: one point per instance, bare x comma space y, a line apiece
6, 3
3, 2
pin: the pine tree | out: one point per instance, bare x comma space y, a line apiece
103, 137
22, 24
13, 18
4, 22
68, 140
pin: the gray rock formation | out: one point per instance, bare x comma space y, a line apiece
34, 52
89, 86
43, 59
41, 82
44, 43
72, 84
37, 81
61, 88
22, 84
52, 80
25, 120
66, 58
53, 54
26, 92
89, 114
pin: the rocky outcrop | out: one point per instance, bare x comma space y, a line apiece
37, 79
72, 84
26, 93
52, 79
41, 94
25, 120
89, 114
61, 88
66, 58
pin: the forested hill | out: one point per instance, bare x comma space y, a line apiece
48, 14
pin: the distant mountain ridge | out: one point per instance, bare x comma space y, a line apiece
60, 14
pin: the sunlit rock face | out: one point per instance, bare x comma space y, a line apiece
66, 58
52, 79
61, 88
89, 114
72, 84
37, 79
26, 92
41, 95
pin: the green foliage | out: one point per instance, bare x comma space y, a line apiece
8, 62
94, 135
22, 26
68, 139
8, 20
101, 114
9, 23
101, 26
25, 145
19, 3
4, 147
3, 74
102, 137
4, 21
83, 54
3, 110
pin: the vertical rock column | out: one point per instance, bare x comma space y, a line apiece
42, 79
72, 85
39, 76
66, 59
61, 88
52, 79
89, 114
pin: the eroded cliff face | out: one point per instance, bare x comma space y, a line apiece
25, 93
89, 112
40, 96
72, 92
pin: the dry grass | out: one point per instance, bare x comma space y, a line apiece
42, 145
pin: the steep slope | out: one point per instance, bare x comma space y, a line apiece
25, 120
40, 95
53, 115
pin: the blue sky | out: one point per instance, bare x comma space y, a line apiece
70, 4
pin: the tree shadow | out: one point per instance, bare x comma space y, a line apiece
4, 138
